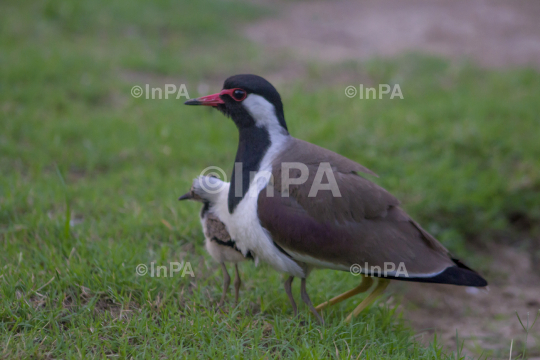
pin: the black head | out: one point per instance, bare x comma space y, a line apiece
249, 100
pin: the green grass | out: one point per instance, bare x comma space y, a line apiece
461, 151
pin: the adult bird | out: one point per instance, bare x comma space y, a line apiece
219, 244
299, 223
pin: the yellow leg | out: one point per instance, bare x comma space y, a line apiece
364, 286
379, 289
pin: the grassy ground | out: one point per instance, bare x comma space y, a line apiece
90, 177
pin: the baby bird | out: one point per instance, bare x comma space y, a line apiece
218, 242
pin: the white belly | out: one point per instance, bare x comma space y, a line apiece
222, 253
244, 226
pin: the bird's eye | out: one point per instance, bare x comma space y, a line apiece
239, 94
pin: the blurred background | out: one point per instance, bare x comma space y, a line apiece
90, 174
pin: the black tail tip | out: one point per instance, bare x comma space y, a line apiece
457, 275
453, 275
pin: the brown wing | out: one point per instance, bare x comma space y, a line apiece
364, 225
214, 228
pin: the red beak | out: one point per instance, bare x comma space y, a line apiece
208, 100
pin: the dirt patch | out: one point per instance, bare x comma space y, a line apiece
492, 33
485, 320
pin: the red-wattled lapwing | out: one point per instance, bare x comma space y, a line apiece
218, 242
295, 228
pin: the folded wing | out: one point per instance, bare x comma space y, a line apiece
364, 225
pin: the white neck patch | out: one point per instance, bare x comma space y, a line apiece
263, 112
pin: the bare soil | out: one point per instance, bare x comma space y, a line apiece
492, 33
485, 320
